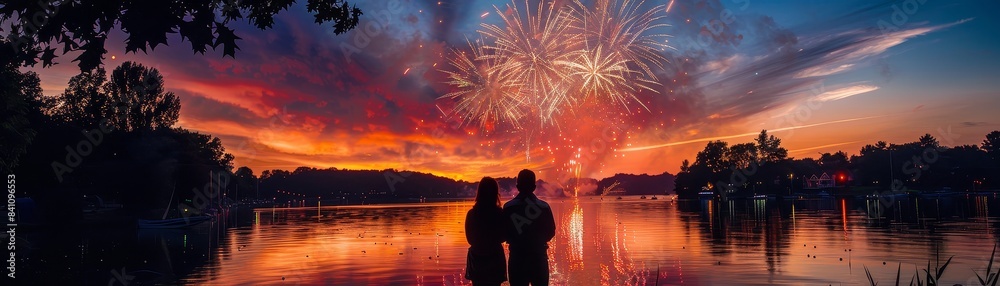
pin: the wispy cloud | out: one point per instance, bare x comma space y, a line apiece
707, 139
845, 92
802, 150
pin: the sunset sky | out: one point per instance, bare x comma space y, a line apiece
821, 75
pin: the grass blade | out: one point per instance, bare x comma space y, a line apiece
989, 268
940, 271
928, 276
898, 267
916, 274
870, 279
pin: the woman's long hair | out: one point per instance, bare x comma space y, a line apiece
488, 195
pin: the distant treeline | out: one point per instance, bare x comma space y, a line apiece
353, 186
763, 167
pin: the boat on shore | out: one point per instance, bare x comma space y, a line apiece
706, 195
186, 219
643, 197
173, 222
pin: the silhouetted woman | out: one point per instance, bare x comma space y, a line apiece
484, 229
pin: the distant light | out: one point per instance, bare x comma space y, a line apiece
113, 57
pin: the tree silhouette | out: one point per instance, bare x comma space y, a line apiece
84, 102
742, 155
137, 99
836, 159
245, 181
770, 148
20, 94
961, 168
39, 28
871, 149
992, 145
928, 141
714, 156
685, 165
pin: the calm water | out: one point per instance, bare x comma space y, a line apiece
610, 242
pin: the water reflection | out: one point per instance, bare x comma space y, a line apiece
574, 231
610, 242
110, 255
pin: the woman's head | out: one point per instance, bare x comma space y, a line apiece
488, 193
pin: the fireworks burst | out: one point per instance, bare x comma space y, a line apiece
485, 91
583, 70
620, 28
552, 59
601, 73
532, 43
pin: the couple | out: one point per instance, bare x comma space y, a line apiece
525, 223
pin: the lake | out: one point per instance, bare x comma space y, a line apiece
598, 241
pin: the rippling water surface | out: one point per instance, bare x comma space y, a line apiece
610, 242
615, 242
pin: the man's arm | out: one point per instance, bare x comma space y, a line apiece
548, 224
506, 224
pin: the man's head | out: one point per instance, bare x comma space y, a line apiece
526, 181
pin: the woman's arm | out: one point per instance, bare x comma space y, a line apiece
500, 229
470, 229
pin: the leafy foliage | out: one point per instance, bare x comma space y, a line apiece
770, 148
992, 145
133, 100
743, 155
137, 99
39, 28
84, 102
139, 162
21, 98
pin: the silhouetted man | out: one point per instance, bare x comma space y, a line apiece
530, 226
